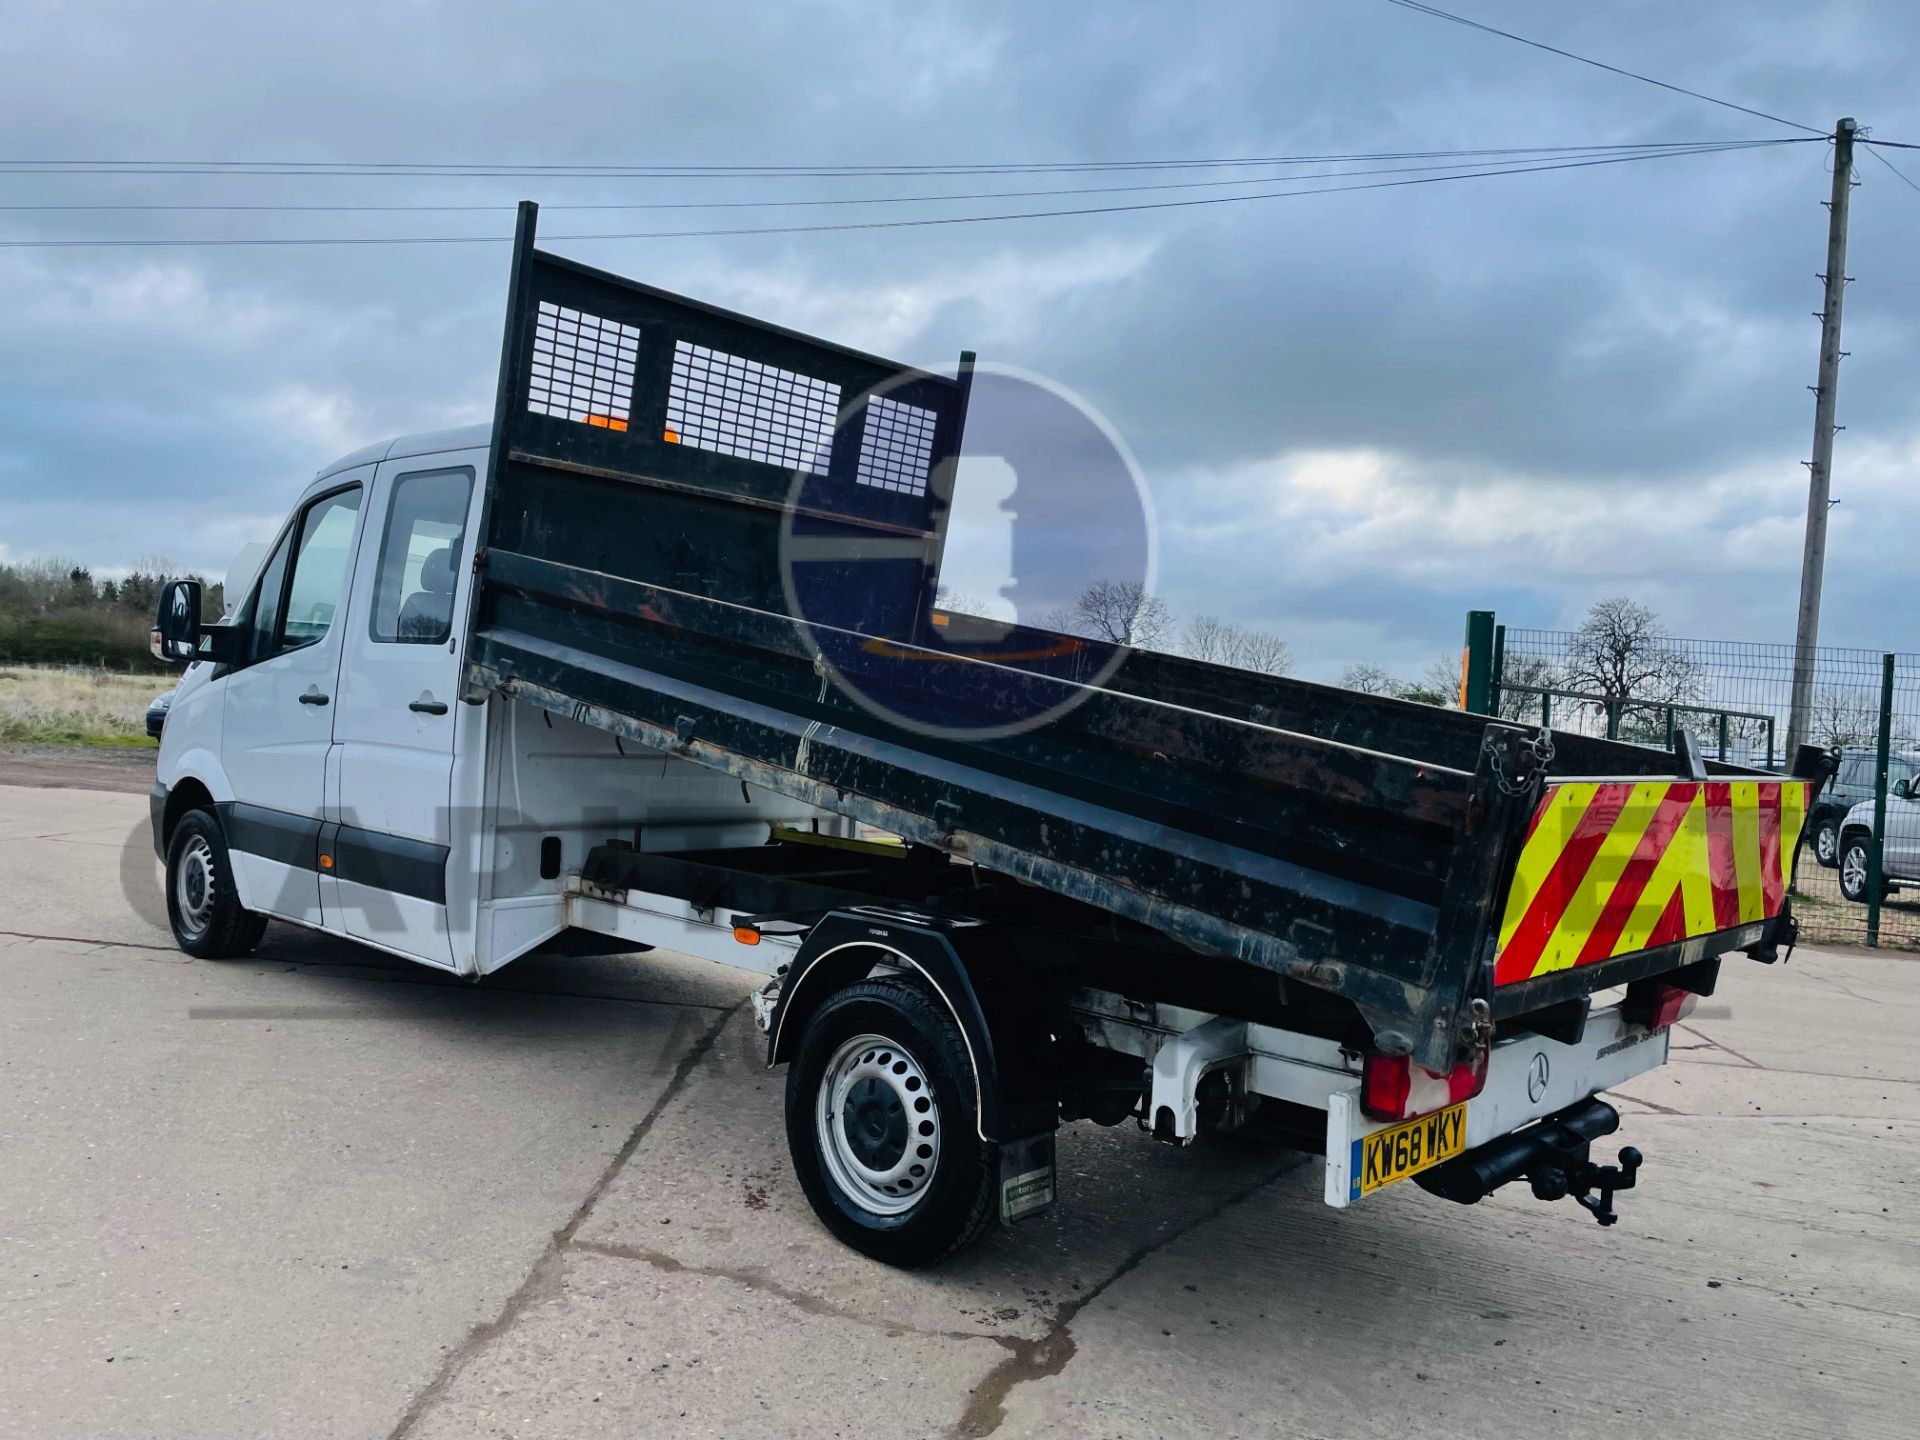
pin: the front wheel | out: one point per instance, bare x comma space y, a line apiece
203, 907
881, 1125
1853, 869
1826, 841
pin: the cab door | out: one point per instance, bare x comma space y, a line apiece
277, 711
395, 720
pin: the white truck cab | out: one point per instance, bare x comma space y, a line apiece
330, 747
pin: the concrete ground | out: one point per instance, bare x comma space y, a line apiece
318, 1193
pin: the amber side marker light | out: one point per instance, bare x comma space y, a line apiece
746, 934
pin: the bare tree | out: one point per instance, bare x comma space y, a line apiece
1262, 651
1841, 715
1439, 684
1124, 612
1369, 679
1206, 638
1222, 642
1620, 653
961, 602
1534, 673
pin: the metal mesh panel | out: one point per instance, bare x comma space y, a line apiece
740, 407
1735, 698
896, 447
582, 367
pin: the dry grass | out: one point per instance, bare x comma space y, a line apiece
73, 705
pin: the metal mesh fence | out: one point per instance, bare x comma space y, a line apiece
1734, 697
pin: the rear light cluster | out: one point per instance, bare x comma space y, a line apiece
1393, 1087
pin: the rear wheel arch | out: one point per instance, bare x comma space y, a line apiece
813, 982
971, 972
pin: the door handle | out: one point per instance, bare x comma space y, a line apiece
312, 696
427, 705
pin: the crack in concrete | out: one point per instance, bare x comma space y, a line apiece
1030, 1360
543, 1279
758, 1279
1652, 1105
79, 940
1721, 1045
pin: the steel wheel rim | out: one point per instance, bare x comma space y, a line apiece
1853, 871
1825, 842
193, 885
878, 1124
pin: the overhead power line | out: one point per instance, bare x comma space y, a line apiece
841, 200
1906, 178
1571, 164
511, 171
1440, 14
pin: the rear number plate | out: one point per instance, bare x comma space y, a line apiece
1408, 1148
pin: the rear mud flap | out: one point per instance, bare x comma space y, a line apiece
1026, 1177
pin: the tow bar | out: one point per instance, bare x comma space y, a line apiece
1551, 1155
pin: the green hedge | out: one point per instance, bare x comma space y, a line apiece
114, 640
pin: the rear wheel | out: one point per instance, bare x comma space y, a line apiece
203, 907
1853, 868
881, 1125
1826, 841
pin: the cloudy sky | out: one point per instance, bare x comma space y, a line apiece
1360, 414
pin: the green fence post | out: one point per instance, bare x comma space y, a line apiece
1546, 709
1880, 764
1499, 675
1723, 737
1613, 719
1476, 663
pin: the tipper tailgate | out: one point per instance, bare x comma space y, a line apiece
1614, 867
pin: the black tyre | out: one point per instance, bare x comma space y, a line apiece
882, 1129
1826, 840
1853, 868
202, 905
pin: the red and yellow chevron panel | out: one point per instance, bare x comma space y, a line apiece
1614, 866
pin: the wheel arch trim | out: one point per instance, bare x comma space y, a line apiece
843, 948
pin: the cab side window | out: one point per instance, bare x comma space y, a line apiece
288, 611
319, 569
419, 558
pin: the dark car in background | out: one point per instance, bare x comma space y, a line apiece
157, 714
1853, 784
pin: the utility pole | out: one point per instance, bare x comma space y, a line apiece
1820, 469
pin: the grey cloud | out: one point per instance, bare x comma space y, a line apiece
1624, 327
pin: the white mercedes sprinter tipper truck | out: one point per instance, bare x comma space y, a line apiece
498, 686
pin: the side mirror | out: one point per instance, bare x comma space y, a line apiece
1903, 789
176, 627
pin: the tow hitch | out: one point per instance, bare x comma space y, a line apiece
1552, 1156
